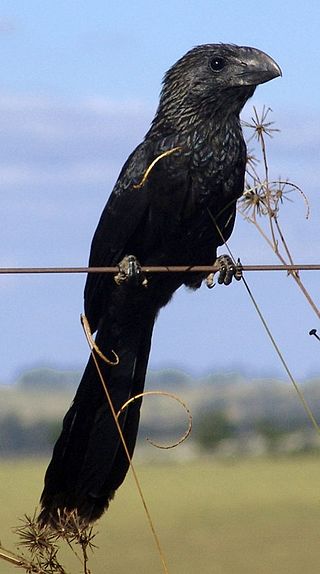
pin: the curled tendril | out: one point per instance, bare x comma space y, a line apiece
153, 163
264, 197
94, 347
282, 185
171, 396
92, 344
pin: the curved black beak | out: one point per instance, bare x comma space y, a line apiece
255, 67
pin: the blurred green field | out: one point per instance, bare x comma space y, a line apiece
248, 516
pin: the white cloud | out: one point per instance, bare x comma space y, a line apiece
45, 140
89, 172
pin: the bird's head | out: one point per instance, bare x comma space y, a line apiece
214, 77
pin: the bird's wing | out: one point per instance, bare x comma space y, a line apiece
124, 212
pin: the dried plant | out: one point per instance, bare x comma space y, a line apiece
42, 544
263, 198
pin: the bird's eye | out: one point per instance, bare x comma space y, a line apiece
217, 64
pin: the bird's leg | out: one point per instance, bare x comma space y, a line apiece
130, 272
227, 270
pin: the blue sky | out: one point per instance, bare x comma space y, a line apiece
78, 87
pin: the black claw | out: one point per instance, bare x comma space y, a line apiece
228, 269
130, 272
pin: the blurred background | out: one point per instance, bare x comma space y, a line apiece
79, 85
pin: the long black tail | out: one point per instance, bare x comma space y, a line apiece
89, 462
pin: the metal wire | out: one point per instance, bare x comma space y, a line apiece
155, 269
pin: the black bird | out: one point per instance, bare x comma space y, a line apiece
164, 213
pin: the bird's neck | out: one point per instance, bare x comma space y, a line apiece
218, 112
189, 120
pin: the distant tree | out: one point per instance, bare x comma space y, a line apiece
168, 379
271, 431
213, 427
19, 438
44, 378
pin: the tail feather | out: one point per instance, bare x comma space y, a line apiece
89, 461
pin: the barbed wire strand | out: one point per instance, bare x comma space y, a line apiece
156, 269
276, 347
92, 345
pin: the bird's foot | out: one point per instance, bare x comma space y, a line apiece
130, 272
227, 271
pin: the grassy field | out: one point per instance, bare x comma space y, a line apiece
249, 516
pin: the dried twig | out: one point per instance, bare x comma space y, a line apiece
43, 542
263, 198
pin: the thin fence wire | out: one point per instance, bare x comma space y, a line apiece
156, 269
